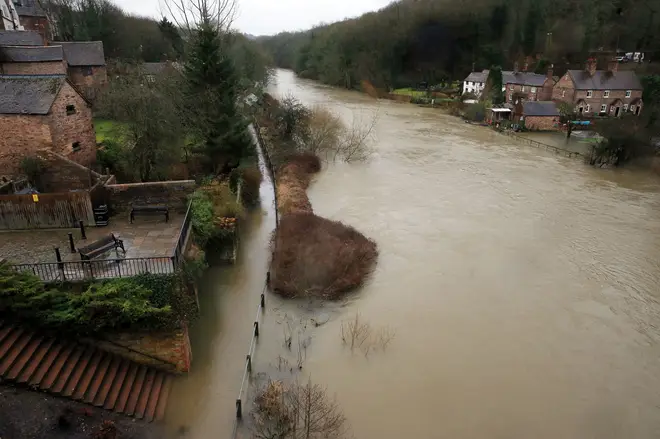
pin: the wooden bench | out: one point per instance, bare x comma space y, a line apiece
150, 210
101, 246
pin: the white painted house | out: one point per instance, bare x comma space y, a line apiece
10, 19
475, 83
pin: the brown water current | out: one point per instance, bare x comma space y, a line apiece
522, 287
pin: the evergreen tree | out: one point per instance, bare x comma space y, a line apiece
171, 34
495, 78
212, 92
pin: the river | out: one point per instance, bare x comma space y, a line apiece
522, 288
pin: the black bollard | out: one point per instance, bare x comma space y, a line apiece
263, 301
82, 230
256, 329
58, 256
71, 244
268, 278
249, 363
239, 411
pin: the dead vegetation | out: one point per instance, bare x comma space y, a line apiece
295, 411
293, 179
314, 256
359, 334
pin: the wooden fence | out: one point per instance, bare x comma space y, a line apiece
45, 211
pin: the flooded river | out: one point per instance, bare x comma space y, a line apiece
523, 289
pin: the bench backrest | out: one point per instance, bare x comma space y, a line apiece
103, 242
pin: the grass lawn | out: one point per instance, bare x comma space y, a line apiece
409, 92
106, 129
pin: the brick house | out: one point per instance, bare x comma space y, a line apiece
537, 115
43, 112
20, 38
32, 60
86, 66
600, 92
528, 86
33, 17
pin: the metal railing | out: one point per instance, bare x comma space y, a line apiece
531, 142
98, 269
269, 165
179, 250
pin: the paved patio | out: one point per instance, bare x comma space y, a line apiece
147, 237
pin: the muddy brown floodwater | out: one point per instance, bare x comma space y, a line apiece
522, 287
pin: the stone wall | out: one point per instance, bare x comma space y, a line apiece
171, 193
169, 351
63, 175
73, 134
35, 68
541, 123
22, 136
89, 80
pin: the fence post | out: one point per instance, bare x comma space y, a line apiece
71, 244
174, 264
82, 230
263, 301
239, 411
256, 329
60, 265
249, 363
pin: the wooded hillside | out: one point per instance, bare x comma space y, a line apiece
411, 41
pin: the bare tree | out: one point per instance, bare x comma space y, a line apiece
189, 14
295, 411
358, 334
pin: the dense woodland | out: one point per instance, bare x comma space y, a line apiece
411, 41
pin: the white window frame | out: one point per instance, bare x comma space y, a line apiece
510, 97
563, 93
606, 94
603, 108
625, 107
628, 93
590, 93
632, 108
533, 89
523, 89
588, 109
512, 87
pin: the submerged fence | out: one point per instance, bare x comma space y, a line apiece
531, 142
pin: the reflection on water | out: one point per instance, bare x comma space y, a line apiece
522, 286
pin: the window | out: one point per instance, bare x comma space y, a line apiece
523, 89
628, 93
606, 94
603, 108
87, 71
533, 89
70, 109
632, 108
625, 107
511, 87
590, 94
75, 146
510, 97
563, 93
588, 108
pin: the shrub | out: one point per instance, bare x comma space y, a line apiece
33, 168
201, 211
250, 183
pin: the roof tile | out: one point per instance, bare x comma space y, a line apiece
28, 94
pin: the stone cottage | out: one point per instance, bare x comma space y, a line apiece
537, 115
32, 60
600, 92
86, 66
33, 17
43, 112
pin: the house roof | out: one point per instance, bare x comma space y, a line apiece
29, 94
523, 78
84, 53
20, 38
604, 80
540, 108
29, 8
478, 76
31, 53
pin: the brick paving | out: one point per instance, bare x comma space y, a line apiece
146, 237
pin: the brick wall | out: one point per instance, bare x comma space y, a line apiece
62, 174
22, 136
77, 127
35, 68
541, 123
513, 89
172, 193
564, 90
89, 80
40, 24
171, 351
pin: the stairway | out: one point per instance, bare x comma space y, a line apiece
83, 373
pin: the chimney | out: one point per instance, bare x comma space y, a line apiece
550, 71
592, 66
525, 66
515, 67
613, 66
